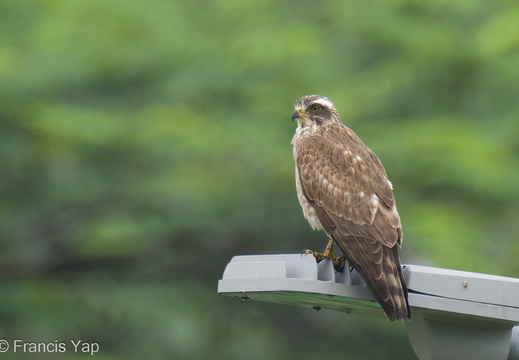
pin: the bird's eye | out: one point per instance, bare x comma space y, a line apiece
315, 108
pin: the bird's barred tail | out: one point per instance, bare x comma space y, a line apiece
396, 306
383, 276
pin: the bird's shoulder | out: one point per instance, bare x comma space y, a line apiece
337, 146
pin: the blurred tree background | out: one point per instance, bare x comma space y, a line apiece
143, 144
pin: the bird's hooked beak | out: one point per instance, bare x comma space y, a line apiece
297, 113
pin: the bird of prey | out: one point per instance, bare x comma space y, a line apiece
344, 190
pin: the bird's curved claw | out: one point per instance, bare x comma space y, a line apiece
318, 256
338, 262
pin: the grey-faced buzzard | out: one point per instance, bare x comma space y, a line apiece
344, 190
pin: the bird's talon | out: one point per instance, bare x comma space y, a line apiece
318, 256
338, 263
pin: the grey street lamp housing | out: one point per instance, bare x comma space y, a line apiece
455, 314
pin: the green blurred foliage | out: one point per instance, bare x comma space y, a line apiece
143, 144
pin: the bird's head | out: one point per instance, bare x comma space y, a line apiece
314, 110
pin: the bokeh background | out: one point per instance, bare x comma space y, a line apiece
145, 143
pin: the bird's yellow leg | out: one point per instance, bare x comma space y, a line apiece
327, 254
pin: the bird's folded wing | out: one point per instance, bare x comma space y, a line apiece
348, 187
